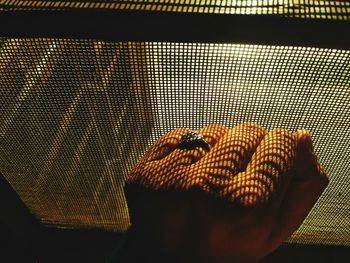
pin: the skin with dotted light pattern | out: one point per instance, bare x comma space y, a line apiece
265, 173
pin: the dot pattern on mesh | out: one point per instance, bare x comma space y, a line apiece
314, 9
76, 116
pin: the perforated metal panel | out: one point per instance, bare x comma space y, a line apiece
315, 9
76, 115
69, 111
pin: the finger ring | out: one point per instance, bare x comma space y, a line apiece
192, 140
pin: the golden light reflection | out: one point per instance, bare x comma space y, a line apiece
87, 110
316, 9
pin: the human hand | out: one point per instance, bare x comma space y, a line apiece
237, 199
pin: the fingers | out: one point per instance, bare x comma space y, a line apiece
230, 150
307, 167
163, 165
165, 144
231, 154
175, 167
266, 170
180, 157
161, 148
224, 171
308, 181
213, 133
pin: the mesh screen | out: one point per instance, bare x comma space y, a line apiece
76, 115
316, 9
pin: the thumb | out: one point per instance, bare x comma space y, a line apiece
308, 181
307, 167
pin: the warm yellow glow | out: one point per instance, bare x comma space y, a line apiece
320, 9
77, 114
35, 78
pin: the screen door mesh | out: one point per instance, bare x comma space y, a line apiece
314, 9
76, 115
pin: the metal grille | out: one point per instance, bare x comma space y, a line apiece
315, 9
76, 115
68, 112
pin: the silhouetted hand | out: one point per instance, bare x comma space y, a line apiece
238, 193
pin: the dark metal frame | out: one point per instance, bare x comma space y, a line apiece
126, 25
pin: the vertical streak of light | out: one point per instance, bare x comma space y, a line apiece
105, 75
105, 84
77, 156
60, 134
32, 79
106, 169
